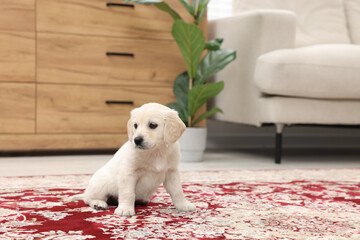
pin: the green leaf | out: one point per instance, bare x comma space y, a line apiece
200, 16
201, 10
178, 108
200, 94
181, 92
188, 7
167, 8
213, 62
195, 3
181, 89
203, 4
191, 42
214, 44
206, 115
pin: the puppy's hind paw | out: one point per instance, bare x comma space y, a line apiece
124, 211
185, 206
98, 205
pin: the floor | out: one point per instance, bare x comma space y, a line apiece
213, 160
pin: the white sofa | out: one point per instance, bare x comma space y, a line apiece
298, 62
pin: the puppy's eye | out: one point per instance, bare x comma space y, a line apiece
135, 126
153, 125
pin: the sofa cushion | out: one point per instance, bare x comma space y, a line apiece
329, 71
352, 10
318, 22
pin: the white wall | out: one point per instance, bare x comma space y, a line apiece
219, 9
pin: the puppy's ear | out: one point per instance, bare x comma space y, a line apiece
130, 125
130, 129
174, 127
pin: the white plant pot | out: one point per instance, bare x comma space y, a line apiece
192, 144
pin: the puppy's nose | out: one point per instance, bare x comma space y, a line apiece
138, 140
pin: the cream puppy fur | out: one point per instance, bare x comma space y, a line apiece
148, 159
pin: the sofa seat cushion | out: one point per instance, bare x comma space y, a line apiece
330, 71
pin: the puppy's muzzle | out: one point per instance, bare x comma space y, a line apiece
138, 141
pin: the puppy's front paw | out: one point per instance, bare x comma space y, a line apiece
124, 211
185, 206
98, 205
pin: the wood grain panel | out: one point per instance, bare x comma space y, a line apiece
78, 59
82, 108
17, 108
96, 18
17, 15
18, 142
17, 56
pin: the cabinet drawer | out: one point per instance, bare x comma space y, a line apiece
83, 60
17, 108
83, 108
96, 17
17, 15
17, 56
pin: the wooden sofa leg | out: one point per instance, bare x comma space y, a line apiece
278, 142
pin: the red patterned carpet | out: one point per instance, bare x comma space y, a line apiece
285, 204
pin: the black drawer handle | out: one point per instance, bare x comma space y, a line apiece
110, 4
119, 102
120, 54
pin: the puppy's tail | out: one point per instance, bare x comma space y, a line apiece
76, 198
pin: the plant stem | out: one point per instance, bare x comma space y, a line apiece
190, 87
196, 6
196, 11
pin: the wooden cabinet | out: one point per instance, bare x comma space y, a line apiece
17, 56
17, 108
72, 70
17, 70
17, 41
17, 15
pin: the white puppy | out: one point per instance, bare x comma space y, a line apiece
148, 159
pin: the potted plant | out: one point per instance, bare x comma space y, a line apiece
191, 88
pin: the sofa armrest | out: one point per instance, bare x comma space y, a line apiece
260, 30
251, 34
